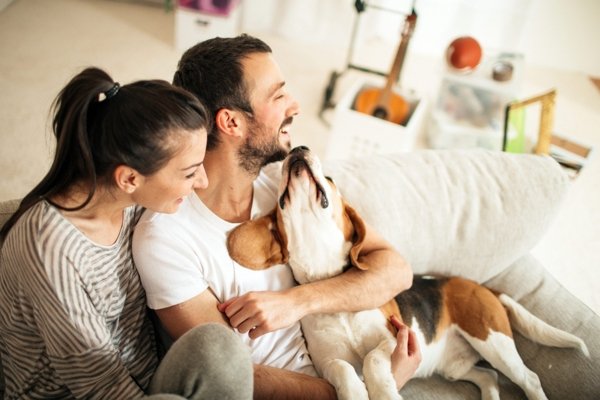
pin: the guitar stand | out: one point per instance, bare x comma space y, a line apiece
328, 103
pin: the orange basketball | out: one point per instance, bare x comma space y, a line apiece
464, 53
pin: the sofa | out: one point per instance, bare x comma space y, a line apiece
477, 214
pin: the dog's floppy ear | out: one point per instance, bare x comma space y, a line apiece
256, 244
358, 235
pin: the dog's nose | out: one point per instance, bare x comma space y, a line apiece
300, 149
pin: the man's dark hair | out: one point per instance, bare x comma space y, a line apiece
212, 70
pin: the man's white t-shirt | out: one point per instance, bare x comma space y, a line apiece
181, 255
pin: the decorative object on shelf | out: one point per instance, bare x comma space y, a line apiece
384, 102
502, 71
464, 54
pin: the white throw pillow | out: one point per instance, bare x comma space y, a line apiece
455, 212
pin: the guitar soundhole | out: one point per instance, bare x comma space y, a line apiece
380, 113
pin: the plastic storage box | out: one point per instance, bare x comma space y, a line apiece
470, 107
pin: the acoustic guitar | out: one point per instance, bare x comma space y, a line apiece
383, 102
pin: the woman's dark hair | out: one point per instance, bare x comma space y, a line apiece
100, 125
212, 70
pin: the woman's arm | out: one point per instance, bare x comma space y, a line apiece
78, 342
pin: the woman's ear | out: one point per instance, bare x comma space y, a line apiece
229, 122
127, 179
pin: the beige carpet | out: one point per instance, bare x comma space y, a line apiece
44, 43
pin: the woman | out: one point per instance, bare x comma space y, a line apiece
73, 320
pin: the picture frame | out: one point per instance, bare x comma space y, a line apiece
517, 136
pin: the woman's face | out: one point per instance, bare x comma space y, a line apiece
164, 190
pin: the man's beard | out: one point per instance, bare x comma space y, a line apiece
257, 152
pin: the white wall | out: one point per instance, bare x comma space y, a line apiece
564, 34
560, 34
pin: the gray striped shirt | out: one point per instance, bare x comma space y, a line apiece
73, 318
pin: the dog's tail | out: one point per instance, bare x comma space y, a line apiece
537, 330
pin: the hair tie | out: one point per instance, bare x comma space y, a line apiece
110, 92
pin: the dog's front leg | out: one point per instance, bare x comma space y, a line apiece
343, 377
377, 371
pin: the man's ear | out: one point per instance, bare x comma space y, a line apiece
358, 234
127, 179
256, 244
229, 122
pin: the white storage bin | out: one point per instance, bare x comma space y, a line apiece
357, 134
193, 26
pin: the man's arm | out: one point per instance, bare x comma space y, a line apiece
281, 384
355, 290
180, 318
269, 382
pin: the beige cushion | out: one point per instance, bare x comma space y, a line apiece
467, 212
7, 208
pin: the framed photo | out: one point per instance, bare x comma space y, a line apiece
528, 124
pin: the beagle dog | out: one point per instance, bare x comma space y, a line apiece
457, 321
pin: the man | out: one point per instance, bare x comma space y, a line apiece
182, 258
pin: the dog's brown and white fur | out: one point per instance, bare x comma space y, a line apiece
457, 321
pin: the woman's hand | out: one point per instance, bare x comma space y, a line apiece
407, 354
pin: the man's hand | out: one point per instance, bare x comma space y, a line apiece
261, 312
407, 354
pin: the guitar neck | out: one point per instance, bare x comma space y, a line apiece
394, 74
396, 68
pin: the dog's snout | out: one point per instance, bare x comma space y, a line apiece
298, 149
